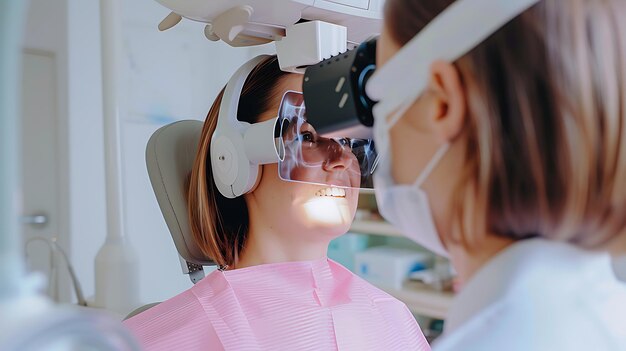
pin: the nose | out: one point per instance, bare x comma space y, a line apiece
338, 156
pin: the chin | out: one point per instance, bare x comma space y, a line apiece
328, 216
332, 231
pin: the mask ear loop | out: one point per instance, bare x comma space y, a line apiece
432, 164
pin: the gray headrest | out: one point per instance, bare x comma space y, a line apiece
169, 156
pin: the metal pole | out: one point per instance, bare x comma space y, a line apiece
116, 262
111, 37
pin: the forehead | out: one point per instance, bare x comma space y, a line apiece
292, 81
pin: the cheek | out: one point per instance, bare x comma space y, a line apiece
280, 194
299, 208
354, 173
411, 148
353, 200
272, 192
306, 173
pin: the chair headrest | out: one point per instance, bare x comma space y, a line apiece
169, 156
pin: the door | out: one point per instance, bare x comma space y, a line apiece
40, 167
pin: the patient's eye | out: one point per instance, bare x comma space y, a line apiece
307, 137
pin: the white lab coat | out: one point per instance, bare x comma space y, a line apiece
539, 295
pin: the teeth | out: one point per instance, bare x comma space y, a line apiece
332, 192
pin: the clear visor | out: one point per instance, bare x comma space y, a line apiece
307, 157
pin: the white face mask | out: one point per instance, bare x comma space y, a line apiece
398, 83
405, 206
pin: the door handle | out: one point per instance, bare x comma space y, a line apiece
37, 219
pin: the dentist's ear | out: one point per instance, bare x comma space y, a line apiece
450, 105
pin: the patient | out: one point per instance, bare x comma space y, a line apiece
276, 289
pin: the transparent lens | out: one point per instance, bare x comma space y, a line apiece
306, 156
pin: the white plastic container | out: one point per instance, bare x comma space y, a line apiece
389, 266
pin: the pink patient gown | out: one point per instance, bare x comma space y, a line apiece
312, 305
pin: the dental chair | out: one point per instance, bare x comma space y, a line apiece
169, 157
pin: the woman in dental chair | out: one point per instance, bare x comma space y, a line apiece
276, 289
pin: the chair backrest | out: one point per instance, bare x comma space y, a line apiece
169, 156
141, 309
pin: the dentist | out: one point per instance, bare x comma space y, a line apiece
502, 130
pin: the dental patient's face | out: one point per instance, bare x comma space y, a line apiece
307, 211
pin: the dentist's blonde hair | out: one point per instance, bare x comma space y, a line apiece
546, 127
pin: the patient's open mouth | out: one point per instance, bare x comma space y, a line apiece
331, 192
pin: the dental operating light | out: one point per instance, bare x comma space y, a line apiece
305, 31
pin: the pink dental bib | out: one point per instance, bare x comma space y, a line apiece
313, 305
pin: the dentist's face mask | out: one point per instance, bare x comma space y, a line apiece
399, 82
405, 206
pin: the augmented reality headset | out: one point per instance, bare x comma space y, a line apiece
238, 149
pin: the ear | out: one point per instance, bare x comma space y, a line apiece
449, 100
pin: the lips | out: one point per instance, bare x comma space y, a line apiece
331, 192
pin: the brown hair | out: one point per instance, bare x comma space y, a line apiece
219, 224
546, 126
